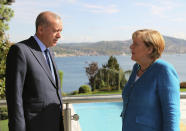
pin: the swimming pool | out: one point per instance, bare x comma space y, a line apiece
99, 116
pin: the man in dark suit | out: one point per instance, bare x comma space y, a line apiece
32, 83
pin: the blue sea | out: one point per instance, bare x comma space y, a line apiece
74, 67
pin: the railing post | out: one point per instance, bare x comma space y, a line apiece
67, 118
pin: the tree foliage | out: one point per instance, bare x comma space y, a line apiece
5, 15
61, 78
112, 64
109, 77
91, 71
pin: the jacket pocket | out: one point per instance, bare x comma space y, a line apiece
148, 122
34, 107
33, 112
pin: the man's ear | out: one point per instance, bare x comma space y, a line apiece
40, 29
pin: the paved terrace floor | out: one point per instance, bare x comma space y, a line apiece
183, 115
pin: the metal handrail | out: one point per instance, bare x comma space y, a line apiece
100, 98
183, 95
92, 99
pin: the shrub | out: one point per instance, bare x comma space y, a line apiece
183, 85
63, 93
3, 113
75, 92
84, 89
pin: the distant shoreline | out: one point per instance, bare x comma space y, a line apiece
73, 55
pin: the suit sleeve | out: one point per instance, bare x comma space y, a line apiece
169, 92
15, 77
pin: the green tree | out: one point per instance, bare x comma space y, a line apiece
61, 78
112, 64
91, 71
61, 82
109, 77
6, 14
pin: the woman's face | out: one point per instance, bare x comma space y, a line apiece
140, 52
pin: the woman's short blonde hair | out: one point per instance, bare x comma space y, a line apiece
151, 38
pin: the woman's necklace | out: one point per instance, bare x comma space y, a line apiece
143, 70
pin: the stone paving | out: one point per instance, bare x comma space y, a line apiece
183, 115
183, 110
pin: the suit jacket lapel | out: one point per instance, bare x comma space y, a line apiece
36, 51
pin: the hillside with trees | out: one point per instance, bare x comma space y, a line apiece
173, 46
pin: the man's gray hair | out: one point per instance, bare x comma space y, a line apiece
42, 18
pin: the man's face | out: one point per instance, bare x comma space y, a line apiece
51, 33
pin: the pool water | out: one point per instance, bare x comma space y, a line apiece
99, 116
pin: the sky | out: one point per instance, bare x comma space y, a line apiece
101, 20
